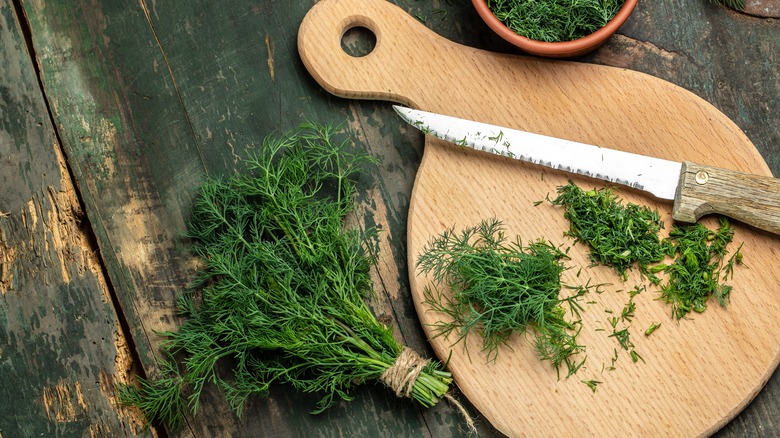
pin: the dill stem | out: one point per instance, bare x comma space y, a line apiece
427, 389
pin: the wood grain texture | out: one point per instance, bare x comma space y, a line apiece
727, 59
149, 98
698, 374
191, 84
746, 197
62, 347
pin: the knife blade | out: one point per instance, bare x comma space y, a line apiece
695, 189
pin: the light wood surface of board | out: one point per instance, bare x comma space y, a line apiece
696, 373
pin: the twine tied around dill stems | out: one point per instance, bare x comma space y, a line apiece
400, 377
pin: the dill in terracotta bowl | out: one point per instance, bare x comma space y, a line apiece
555, 28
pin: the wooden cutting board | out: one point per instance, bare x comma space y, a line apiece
697, 373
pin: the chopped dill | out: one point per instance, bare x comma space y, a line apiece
736, 258
653, 327
592, 384
618, 235
623, 235
638, 289
623, 337
628, 312
497, 288
695, 275
615, 357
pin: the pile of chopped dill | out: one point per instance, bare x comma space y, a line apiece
554, 20
281, 294
622, 236
497, 287
618, 235
698, 271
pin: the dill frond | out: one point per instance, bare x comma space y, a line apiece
485, 283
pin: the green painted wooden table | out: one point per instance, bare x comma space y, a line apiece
111, 113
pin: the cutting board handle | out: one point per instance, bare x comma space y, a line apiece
383, 74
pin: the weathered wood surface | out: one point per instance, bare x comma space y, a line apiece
763, 8
62, 346
147, 97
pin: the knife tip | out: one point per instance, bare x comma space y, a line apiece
402, 111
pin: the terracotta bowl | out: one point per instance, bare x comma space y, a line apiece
566, 49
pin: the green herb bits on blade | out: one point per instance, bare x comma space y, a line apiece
280, 297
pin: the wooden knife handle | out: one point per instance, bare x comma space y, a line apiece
752, 199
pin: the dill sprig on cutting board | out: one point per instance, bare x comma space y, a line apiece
485, 283
280, 296
554, 20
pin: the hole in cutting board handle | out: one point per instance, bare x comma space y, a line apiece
358, 41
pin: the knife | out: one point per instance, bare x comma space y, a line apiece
696, 189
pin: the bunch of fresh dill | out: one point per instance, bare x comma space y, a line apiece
281, 294
618, 235
554, 20
497, 288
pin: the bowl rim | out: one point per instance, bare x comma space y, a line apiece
561, 48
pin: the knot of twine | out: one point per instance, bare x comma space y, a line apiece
400, 377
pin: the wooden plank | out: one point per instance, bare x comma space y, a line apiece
149, 97
62, 347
